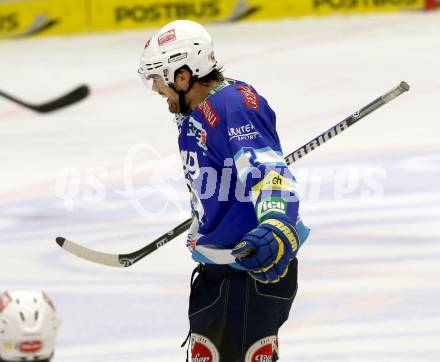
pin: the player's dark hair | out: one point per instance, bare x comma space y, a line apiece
213, 75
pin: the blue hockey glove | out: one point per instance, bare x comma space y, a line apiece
267, 250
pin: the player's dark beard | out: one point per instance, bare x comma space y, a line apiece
183, 108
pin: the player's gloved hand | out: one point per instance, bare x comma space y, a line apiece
267, 250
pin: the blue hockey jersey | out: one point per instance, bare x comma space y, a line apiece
234, 169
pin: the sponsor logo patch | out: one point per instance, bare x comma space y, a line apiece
31, 346
270, 204
166, 37
208, 113
243, 133
274, 181
263, 350
195, 129
249, 96
202, 349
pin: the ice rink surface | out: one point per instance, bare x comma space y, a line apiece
106, 173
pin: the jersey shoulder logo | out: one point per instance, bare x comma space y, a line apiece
250, 97
208, 113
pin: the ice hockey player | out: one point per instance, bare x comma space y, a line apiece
246, 231
28, 326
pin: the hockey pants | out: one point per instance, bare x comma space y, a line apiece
234, 318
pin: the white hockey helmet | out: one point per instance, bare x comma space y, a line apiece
179, 43
28, 326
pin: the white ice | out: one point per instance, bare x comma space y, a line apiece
370, 272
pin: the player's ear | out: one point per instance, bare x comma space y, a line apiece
183, 76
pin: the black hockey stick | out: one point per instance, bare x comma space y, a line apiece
125, 260
67, 99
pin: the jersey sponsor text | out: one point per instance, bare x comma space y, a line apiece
208, 113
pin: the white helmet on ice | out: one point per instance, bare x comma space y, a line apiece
179, 43
28, 326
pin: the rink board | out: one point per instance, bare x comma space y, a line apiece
48, 17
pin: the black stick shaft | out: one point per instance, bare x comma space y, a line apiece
128, 259
347, 122
65, 100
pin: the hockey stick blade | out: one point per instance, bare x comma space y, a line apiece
65, 100
125, 260
121, 260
